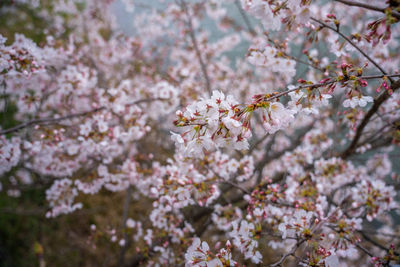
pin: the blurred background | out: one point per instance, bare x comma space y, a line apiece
27, 237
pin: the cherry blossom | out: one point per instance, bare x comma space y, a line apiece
213, 133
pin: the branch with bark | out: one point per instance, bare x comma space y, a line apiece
377, 103
369, 7
51, 120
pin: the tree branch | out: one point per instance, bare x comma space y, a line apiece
316, 85
123, 226
353, 44
50, 120
290, 253
196, 46
245, 18
370, 7
377, 103
373, 242
268, 158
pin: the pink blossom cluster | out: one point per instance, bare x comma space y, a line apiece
214, 124
284, 152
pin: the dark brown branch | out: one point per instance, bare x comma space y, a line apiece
244, 190
370, 7
377, 103
381, 234
373, 242
222, 180
316, 85
259, 141
268, 158
310, 86
290, 253
360, 247
50, 120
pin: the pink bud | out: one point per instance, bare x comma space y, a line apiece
331, 16
301, 81
363, 83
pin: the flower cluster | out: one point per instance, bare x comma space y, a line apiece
374, 197
61, 196
199, 254
274, 13
274, 118
23, 56
269, 59
214, 123
10, 153
298, 225
245, 238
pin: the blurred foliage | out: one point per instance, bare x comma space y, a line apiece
20, 18
27, 237
18, 231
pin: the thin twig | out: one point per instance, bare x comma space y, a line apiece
123, 226
306, 63
297, 59
370, 7
316, 85
196, 46
373, 242
290, 253
244, 190
359, 246
222, 180
245, 18
50, 120
353, 44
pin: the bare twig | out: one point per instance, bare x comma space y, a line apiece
370, 7
123, 226
306, 63
267, 157
245, 18
377, 103
352, 44
50, 120
244, 190
290, 253
259, 141
360, 247
196, 46
222, 180
373, 242
297, 59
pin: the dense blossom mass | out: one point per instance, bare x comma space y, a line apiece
284, 153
